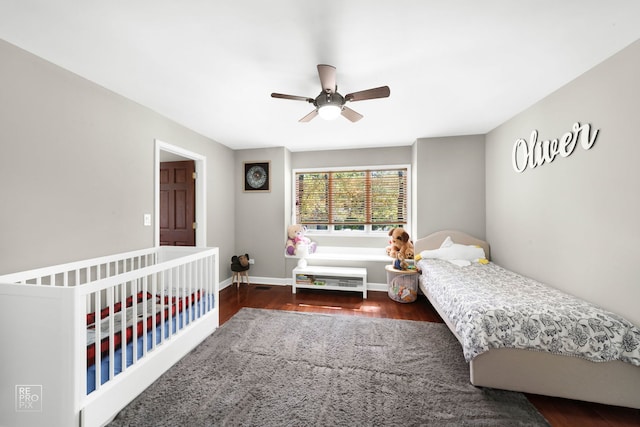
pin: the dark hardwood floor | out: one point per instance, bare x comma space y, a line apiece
559, 412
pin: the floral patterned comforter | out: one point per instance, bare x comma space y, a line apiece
493, 307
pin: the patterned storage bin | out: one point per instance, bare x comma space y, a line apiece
403, 284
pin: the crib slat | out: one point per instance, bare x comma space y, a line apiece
123, 329
211, 278
98, 339
173, 299
205, 286
184, 290
111, 328
205, 289
145, 324
170, 285
189, 300
193, 289
166, 284
155, 278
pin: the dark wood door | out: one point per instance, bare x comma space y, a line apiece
177, 203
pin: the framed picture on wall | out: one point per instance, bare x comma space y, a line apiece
257, 176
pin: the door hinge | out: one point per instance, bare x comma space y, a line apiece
195, 225
195, 175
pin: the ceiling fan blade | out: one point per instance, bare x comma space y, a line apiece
293, 97
378, 92
309, 116
350, 114
327, 75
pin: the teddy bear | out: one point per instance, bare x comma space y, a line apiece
296, 236
240, 262
400, 245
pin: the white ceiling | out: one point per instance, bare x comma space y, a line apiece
454, 67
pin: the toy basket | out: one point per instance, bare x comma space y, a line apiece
403, 285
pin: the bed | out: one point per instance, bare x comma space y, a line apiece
81, 340
539, 358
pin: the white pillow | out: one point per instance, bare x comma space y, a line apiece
453, 251
438, 253
468, 252
447, 242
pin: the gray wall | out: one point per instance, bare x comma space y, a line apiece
77, 168
574, 223
260, 216
346, 158
450, 185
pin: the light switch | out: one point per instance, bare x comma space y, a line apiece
147, 219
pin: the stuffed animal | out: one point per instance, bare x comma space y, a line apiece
296, 236
400, 264
240, 262
400, 246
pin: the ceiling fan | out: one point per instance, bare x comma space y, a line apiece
330, 104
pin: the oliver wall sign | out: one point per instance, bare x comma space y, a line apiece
533, 153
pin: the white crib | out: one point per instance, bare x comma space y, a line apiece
81, 340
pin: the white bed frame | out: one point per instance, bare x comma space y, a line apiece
612, 383
44, 340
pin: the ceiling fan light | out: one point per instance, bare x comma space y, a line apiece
329, 112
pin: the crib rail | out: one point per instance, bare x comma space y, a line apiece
86, 271
161, 301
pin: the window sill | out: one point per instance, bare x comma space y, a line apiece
344, 253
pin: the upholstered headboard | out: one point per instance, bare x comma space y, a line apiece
433, 241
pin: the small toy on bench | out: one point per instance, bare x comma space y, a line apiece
239, 267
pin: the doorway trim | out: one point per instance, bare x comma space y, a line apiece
201, 190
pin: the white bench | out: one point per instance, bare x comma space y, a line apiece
330, 278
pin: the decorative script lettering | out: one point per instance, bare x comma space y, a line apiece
536, 153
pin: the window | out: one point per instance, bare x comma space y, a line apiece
366, 200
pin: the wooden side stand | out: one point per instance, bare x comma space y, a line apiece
237, 277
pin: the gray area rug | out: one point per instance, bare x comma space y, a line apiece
281, 368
